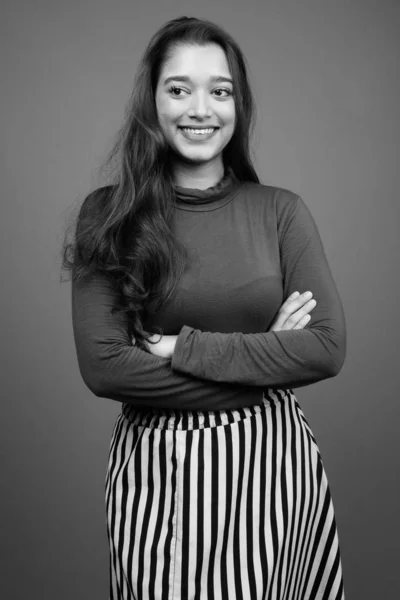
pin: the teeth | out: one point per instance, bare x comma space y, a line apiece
198, 131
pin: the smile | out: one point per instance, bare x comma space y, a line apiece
193, 133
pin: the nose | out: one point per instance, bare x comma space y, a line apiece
200, 105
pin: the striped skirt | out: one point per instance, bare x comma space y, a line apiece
222, 505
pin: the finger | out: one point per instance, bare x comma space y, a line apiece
290, 307
155, 338
303, 322
285, 310
290, 299
295, 303
293, 296
294, 318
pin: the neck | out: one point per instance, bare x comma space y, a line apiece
201, 176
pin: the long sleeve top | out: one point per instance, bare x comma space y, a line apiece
250, 246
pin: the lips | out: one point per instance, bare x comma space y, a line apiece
198, 137
199, 128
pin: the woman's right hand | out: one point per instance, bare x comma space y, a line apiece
294, 312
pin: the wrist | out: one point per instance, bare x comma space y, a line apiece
173, 344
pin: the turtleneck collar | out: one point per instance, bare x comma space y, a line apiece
209, 199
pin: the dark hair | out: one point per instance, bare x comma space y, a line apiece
123, 230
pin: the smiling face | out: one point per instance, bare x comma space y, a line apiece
195, 90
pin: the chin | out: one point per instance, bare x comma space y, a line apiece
198, 156
198, 160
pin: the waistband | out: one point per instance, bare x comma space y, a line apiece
174, 419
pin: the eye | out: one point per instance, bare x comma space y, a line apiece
174, 89
228, 92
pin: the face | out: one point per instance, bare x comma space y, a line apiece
189, 95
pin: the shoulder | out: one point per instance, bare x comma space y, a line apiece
94, 202
269, 193
280, 205
278, 199
98, 195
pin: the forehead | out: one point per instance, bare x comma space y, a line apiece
194, 60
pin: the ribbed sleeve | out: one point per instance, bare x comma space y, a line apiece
287, 358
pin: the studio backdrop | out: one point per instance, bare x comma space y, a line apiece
325, 79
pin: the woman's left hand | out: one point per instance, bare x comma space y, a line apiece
164, 346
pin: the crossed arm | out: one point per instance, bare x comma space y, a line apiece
200, 365
295, 351
293, 314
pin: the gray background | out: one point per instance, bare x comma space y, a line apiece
325, 76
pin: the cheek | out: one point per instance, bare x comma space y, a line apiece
163, 109
164, 120
168, 115
228, 113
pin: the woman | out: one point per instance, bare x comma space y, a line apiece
192, 305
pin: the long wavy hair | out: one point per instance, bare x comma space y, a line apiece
123, 230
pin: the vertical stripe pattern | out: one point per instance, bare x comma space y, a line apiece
224, 505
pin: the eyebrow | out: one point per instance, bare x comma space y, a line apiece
185, 78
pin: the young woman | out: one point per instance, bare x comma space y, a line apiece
201, 298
